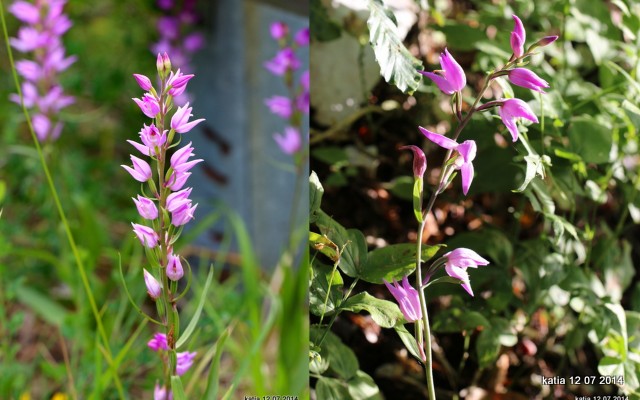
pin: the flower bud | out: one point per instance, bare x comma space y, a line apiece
160, 66
419, 160
174, 267
153, 286
166, 63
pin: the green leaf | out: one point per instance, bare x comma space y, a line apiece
394, 262
409, 341
44, 306
177, 389
212, 381
590, 139
397, 65
535, 166
315, 193
322, 27
331, 389
354, 254
362, 387
385, 313
340, 357
194, 320
324, 280
610, 366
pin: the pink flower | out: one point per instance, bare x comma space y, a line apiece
25, 12
302, 37
147, 236
279, 30
158, 342
518, 36
466, 150
143, 82
512, 109
184, 362
280, 105
285, 60
177, 180
407, 298
149, 105
146, 207
178, 83
174, 267
451, 78
183, 213
29, 39
304, 80
160, 393
174, 200
141, 170
179, 159
180, 120
29, 70
457, 262
527, 79
151, 136
153, 286
419, 160
290, 142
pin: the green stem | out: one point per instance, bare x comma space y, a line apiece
423, 302
67, 228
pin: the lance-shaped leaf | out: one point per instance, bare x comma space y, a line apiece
397, 65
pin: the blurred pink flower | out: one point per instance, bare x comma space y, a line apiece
279, 30
184, 362
290, 142
280, 105
158, 342
284, 61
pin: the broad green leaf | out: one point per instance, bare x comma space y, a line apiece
342, 360
196, 315
535, 166
322, 27
383, 312
394, 262
331, 388
315, 193
362, 387
611, 366
590, 139
409, 341
325, 289
354, 254
397, 65
455, 320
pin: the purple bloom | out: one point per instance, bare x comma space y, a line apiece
184, 362
149, 105
304, 80
174, 267
290, 142
160, 393
518, 36
280, 105
183, 213
42, 127
279, 30
407, 298
419, 160
153, 286
146, 207
193, 42
141, 170
25, 12
29, 70
457, 263
158, 342
177, 180
180, 120
284, 61
302, 102
302, 37
527, 79
175, 199
451, 78
151, 137
143, 81
169, 26
178, 83
512, 109
466, 150
547, 40
29, 39
179, 159
147, 236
